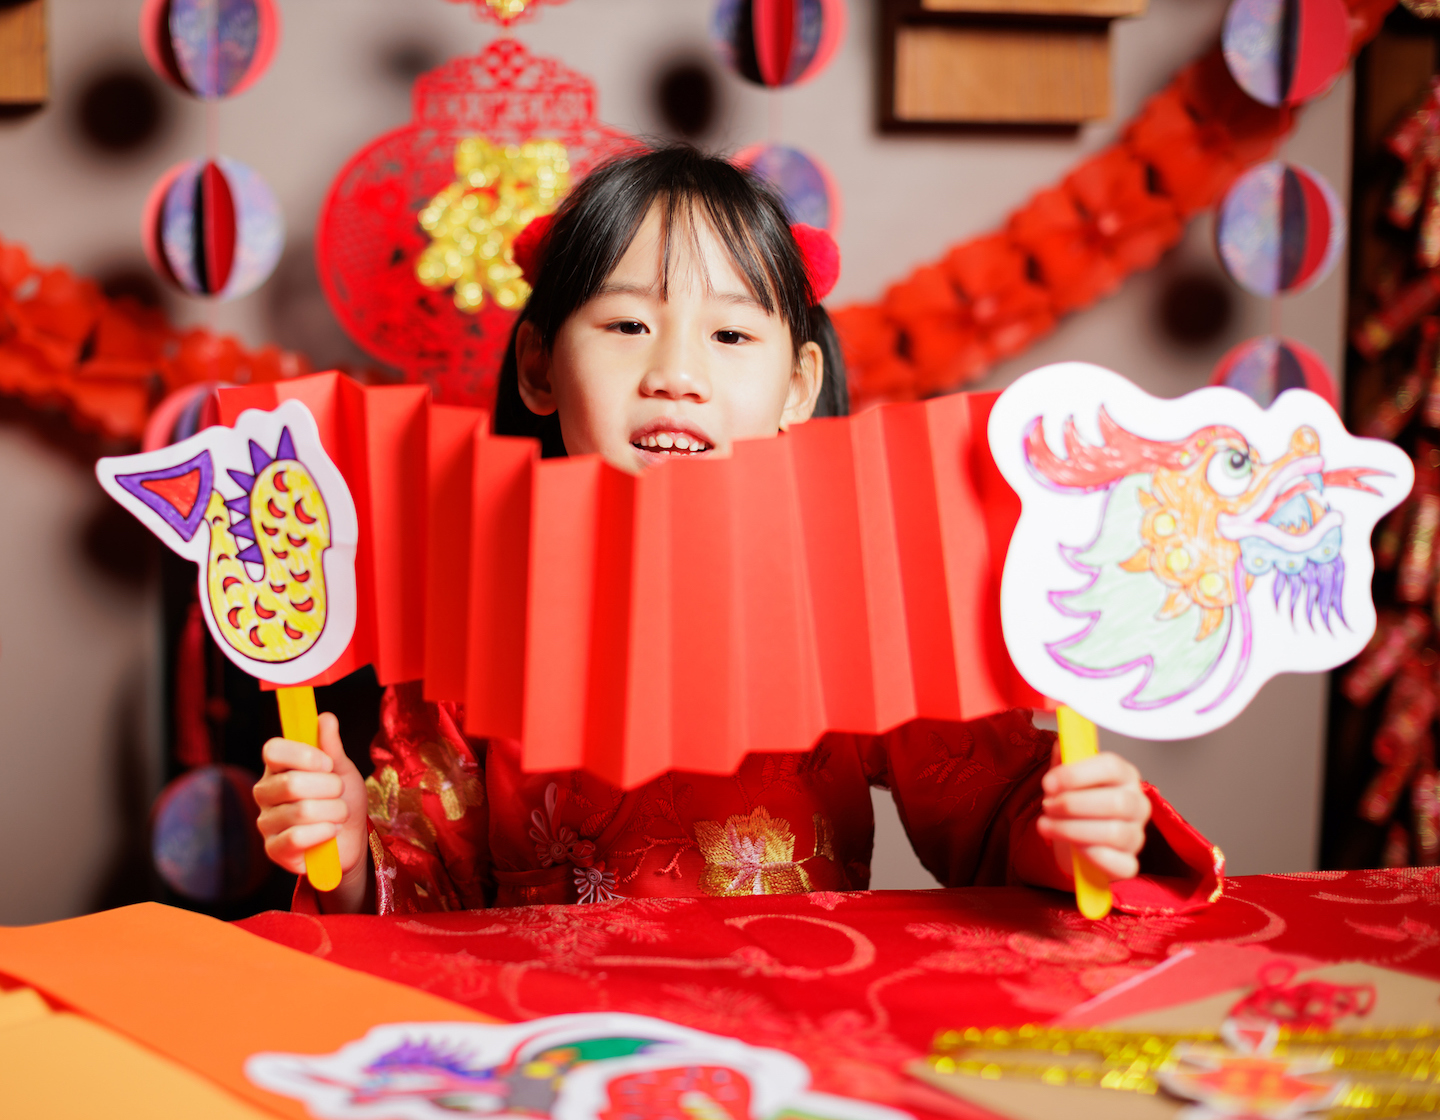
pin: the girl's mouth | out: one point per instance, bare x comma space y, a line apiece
657, 442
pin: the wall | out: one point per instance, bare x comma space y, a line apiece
69, 646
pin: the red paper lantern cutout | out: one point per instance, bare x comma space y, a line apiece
778, 42
369, 235
505, 12
210, 48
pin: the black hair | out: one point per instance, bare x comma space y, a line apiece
599, 219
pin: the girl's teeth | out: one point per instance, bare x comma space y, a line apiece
664, 441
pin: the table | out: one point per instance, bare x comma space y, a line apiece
857, 984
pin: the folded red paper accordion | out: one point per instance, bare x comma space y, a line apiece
842, 577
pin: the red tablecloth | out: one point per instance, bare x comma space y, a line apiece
857, 984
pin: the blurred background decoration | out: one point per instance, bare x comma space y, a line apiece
968, 252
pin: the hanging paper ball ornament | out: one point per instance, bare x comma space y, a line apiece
1284, 52
778, 42
213, 228
210, 48
369, 241
1263, 368
802, 182
203, 837
1280, 229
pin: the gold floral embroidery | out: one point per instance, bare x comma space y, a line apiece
447, 776
395, 810
755, 854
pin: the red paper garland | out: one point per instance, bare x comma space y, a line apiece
991, 297
63, 344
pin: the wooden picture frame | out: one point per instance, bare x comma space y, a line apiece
959, 64
24, 65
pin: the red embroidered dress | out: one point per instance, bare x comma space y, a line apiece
455, 824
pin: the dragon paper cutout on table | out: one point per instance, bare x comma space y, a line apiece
270, 523
594, 1066
1172, 556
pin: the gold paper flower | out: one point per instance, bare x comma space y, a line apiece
473, 222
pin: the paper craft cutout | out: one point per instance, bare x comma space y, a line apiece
842, 578
570, 1067
267, 517
1172, 556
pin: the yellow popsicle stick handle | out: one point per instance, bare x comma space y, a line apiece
300, 721
1078, 739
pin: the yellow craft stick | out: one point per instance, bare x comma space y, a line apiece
1078, 739
300, 721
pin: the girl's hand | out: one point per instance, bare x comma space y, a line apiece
307, 797
1098, 806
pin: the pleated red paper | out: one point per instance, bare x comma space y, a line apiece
844, 577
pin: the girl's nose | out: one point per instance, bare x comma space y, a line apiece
678, 373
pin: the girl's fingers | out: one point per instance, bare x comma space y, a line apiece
287, 754
276, 820
1118, 802
297, 785
1123, 836
289, 847
1104, 769
1115, 864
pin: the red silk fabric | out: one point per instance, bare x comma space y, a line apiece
842, 577
857, 984
456, 824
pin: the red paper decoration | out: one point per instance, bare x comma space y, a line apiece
844, 577
209, 48
991, 297
213, 228
369, 236
778, 42
505, 12
1284, 52
1263, 368
107, 363
1280, 229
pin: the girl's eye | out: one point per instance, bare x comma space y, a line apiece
729, 338
628, 326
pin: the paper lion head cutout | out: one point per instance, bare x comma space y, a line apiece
1172, 556
267, 517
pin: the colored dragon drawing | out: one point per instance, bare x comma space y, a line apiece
595, 1066
1210, 518
278, 527
255, 507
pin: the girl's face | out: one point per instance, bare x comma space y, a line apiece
641, 379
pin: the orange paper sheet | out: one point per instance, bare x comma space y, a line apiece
205, 994
843, 577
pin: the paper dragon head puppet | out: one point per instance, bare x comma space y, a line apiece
1129, 588
267, 517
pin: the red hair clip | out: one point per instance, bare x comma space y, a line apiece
817, 248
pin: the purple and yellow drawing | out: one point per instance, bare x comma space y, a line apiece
265, 556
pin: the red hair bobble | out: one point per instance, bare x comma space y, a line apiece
529, 245
822, 258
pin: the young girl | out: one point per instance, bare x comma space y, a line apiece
673, 314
